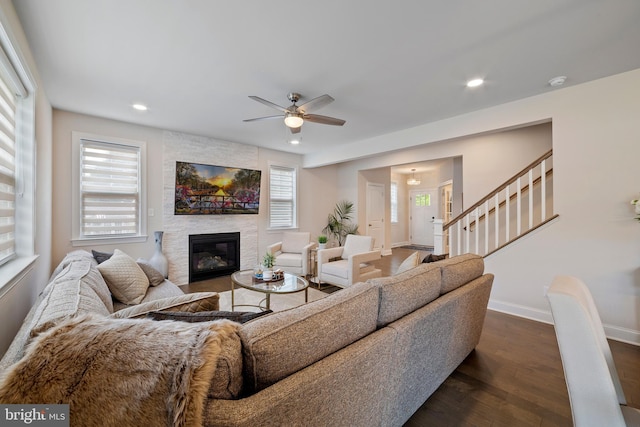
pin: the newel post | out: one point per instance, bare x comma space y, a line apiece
438, 237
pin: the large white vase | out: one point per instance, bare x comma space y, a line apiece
158, 260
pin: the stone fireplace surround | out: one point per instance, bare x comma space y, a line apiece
177, 228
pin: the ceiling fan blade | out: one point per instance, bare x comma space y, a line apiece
296, 130
268, 103
264, 118
315, 103
325, 120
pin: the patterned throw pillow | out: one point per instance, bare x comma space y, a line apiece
125, 279
434, 258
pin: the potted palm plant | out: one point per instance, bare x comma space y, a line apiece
339, 223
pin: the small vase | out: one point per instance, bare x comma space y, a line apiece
322, 245
158, 260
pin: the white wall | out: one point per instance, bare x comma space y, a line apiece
596, 142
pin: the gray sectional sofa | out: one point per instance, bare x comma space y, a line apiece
368, 355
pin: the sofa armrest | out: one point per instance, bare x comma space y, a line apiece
275, 248
357, 259
305, 257
324, 255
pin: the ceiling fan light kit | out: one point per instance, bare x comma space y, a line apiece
295, 115
293, 120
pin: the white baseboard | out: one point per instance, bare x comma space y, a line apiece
616, 333
398, 244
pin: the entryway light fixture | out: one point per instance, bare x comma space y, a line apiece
413, 180
293, 120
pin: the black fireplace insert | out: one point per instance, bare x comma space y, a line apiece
213, 255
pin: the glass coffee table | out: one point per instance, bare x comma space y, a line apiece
289, 284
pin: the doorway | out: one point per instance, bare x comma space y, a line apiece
375, 214
423, 210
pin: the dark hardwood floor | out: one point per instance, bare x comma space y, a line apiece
514, 377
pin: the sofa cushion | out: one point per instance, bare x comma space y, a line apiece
318, 329
406, 292
294, 241
126, 280
411, 261
198, 301
207, 316
77, 288
289, 260
459, 270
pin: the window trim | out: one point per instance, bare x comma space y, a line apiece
76, 223
15, 268
294, 169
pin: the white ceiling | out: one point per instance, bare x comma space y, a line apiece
390, 65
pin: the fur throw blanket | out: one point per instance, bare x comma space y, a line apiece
120, 372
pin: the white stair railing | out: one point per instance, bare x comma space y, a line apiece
517, 207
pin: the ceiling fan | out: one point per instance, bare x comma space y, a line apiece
296, 115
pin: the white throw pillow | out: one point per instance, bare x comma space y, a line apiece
125, 279
410, 262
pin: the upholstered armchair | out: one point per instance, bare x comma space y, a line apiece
292, 253
353, 263
595, 392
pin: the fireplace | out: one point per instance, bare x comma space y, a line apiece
213, 255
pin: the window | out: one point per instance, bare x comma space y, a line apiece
423, 199
13, 146
109, 176
394, 202
282, 197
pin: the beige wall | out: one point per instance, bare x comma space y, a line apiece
64, 123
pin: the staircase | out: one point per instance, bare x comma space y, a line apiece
514, 209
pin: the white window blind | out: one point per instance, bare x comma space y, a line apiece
7, 172
109, 189
282, 197
394, 202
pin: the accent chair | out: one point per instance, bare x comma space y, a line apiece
352, 263
292, 253
595, 392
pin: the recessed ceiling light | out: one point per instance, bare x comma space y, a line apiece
475, 83
294, 141
140, 107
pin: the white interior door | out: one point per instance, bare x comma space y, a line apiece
424, 209
375, 214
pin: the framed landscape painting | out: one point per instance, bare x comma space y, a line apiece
216, 190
